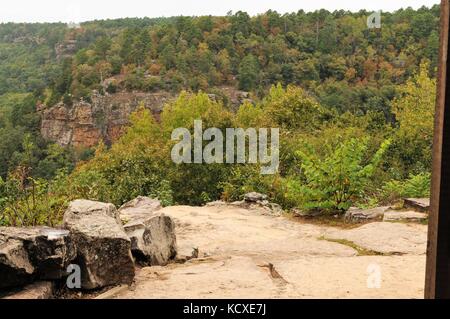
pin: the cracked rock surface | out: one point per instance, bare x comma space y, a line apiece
243, 253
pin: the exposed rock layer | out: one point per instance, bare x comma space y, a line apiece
152, 234
37, 252
103, 248
84, 123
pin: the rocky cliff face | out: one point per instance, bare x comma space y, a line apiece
84, 124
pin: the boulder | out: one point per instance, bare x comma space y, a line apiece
276, 209
419, 204
152, 234
254, 201
80, 208
305, 213
103, 247
254, 197
36, 252
15, 267
264, 207
404, 216
359, 215
153, 240
139, 207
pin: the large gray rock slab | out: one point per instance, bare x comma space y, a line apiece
139, 207
254, 197
103, 247
81, 208
305, 213
36, 252
15, 266
386, 238
360, 215
253, 201
419, 204
152, 234
235, 245
405, 216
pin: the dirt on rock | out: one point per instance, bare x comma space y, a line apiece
245, 254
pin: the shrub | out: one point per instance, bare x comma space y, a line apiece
415, 186
247, 178
334, 181
31, 204
192, 183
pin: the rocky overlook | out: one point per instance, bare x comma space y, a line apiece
221, 250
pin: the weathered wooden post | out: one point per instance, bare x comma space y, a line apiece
437, 278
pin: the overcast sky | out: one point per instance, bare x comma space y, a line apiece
84, 10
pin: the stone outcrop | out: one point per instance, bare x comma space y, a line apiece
254, 197
38, 252
65, 49
15, 267
407, 216
94, 239
385, 238
358, 215
419, 204
103, 248
140, 207
152, 234
84, 123
305, 213
254, 201
104, 117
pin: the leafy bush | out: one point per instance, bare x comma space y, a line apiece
30, 203
415, 186
337, 179
195, 184
247, 178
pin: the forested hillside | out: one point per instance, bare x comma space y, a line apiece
354, 105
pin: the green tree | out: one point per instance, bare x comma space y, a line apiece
248, 75
335, 181
294, 109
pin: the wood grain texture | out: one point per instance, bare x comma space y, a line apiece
437, 283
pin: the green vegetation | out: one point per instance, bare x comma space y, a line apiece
336, 181
354, 107
360, 250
